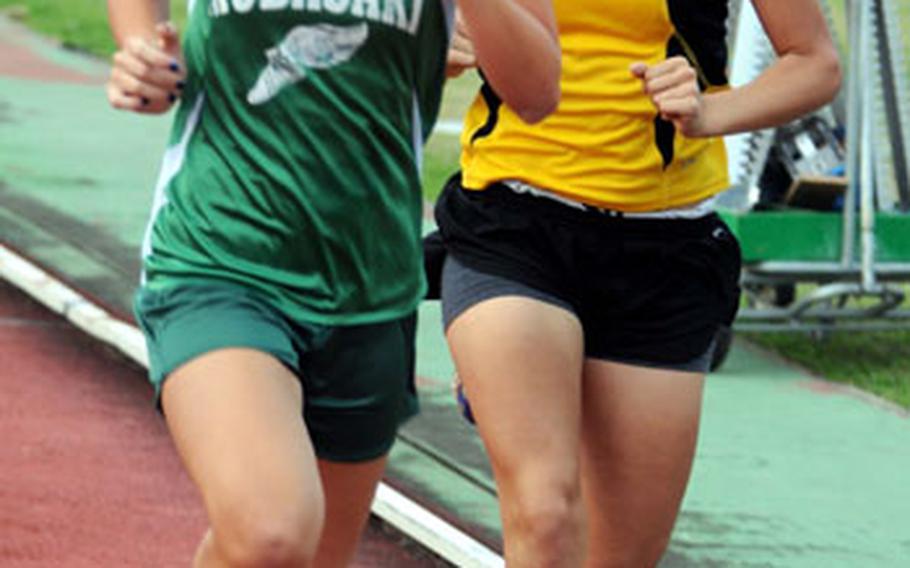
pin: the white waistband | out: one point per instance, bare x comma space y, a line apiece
694, 211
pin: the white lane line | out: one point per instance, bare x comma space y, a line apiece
431, 531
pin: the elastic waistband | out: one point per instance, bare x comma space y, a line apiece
499, 197
502, 197
695, 211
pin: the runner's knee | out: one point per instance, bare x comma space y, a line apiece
643, 553
275, 537
546, 515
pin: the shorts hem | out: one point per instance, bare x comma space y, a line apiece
159, 374
373, 453
497, 284
700, 364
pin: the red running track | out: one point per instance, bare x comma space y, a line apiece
88, 475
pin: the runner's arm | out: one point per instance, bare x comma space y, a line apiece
461, 56
517, 46
147, 74
136, 18
806, 75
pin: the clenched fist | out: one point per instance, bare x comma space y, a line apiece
147, 76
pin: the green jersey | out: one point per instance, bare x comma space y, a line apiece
294, 163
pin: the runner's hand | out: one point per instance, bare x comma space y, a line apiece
461, 55
673, 88
148, 76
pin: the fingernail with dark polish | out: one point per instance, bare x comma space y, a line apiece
171, 97
175, 67
181, 85
146, 101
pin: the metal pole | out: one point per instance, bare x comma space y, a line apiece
890, 80
895, 93
854, 127
866, 172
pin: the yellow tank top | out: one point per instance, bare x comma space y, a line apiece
605, 145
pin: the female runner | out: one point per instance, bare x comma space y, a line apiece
282, 265
587, 273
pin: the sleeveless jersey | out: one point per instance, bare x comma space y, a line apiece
605, 145
294, 161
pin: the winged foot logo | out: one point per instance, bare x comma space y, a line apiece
303, 48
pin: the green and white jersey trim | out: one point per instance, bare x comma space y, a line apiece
170, 166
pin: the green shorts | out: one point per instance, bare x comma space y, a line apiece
358, 380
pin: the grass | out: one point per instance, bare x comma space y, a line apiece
80, 24
876, 362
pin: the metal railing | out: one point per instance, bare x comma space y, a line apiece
858, 291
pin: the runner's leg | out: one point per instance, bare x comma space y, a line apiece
235, 417
349, 490
640, 427
520, 360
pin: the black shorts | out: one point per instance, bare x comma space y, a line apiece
648, 290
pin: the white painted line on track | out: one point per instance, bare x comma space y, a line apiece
409, 517
65, 301
432, 531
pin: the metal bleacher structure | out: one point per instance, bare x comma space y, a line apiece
822, 206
